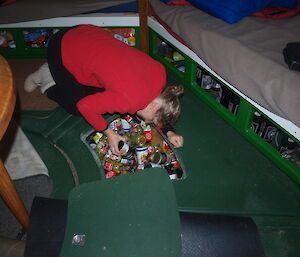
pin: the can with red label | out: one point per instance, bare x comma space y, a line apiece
151, 149
108, 165
166, 146
110, 174
176, 164
148, 135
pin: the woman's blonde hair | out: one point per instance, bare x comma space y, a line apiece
170, 109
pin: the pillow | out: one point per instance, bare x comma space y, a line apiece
176, 2
233, 11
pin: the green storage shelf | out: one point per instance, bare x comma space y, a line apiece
241, 121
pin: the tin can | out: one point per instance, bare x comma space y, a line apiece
140, 167
110, 174
141, 154
166, 146
151, 149
108, 165
138, 140
101, 151
131, 121
127, 162
156, 157
152, 165
116, 167
173, 175
125, 125
123, 147
97, 137
128, 118
148, 134
127, 151
176, 164
159, 158
116, 124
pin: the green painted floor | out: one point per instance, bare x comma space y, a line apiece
224, 173
56, 136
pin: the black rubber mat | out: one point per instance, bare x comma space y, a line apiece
206, 235
46, 227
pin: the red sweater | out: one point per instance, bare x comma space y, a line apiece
131, 78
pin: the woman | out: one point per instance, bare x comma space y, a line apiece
89, 72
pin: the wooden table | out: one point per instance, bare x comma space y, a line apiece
7, 104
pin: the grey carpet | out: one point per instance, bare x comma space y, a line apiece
28, 188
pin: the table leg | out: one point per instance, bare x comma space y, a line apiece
11, 197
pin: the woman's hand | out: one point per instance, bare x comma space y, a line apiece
113, 140
175, 139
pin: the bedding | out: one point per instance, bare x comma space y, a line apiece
247, 54
30, 10
233, 11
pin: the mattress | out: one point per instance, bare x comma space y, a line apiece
30, 10
247, 54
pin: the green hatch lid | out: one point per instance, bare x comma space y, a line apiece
132, 215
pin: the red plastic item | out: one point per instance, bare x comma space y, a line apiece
179, 2
272, 12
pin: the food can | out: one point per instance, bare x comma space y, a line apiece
116, 124
176, 164
140, 167
141, 154
97, 137
148, 135
138, 140
116, 167
173, 175
159, 158
151, 149
127, 162
123, 147
125, 125
108, 165
166, 146
127, 151
110, 174
152, 165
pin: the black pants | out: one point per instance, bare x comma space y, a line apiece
67, 91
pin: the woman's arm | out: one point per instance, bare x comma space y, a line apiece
113, 140
175, 139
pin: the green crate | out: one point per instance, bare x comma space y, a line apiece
241, 121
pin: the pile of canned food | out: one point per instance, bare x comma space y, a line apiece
144, 148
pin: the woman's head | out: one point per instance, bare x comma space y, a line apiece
165, 109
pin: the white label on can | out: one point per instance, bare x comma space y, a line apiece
141, 154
